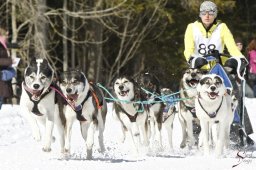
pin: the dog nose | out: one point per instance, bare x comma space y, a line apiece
213, 88
68, 90
193, 74
36, 86
121, 87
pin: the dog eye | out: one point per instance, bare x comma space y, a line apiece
74, 81
32, 77
117, 83
125, 81
43, 77
217, 83
208, 83
63, 83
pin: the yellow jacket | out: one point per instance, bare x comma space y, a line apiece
225, 36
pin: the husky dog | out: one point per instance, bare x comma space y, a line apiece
132, 116
85, 103
38, 101
214, 108
151, 90
169, 112
187, 114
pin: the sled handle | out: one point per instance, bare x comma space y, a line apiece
216, 54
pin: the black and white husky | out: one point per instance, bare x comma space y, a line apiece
85, 103
38, 102
132, 116
214, 110
187, 113
151, 90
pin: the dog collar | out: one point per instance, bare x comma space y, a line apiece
211, 115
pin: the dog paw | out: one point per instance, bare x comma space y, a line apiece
182, 145
102, 149
89, 154
46, 149
65, 154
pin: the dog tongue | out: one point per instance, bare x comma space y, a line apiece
213, 94
36, 93
72, 97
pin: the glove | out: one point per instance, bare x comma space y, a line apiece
197, 62
235, 65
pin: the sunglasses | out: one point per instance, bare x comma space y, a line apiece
209, 13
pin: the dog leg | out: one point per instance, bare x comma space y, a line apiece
227, 139
101, 130
68, 130
205, 135
152, 131
184, 132
48, 135
90, 139
144, 137
191, 139
101, 140
60, 129
221, 140
169, 128
33, 124
84, 129
135, 136
142, 123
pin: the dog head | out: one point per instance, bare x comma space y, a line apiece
38, 76
166, 91
149, 82
124, 88
191, 77
211, 87
74, 85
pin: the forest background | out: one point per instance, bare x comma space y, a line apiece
106, 38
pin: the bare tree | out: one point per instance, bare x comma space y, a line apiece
84, 27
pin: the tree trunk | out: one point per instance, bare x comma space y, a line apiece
65, 43
73, 46
14, 51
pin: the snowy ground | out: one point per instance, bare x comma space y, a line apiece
18, 151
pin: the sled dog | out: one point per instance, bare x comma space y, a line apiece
214, 108
85, 103
187, 113
132, 116
38, 102
151, 91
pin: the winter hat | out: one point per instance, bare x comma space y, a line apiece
208, 6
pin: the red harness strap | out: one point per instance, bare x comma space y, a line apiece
96, 100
